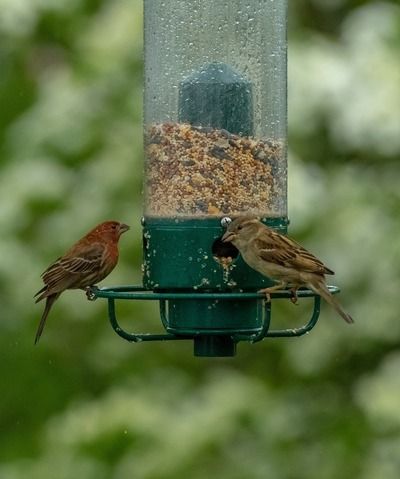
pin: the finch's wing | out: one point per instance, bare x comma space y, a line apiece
281, 250
69, 269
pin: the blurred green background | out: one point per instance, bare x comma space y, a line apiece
86, 404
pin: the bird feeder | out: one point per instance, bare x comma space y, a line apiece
215, 130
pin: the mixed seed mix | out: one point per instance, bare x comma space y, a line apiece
202, 171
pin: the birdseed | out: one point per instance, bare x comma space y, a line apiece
203, 171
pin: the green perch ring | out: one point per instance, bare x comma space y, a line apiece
220, 341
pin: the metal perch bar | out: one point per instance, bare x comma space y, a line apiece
140, 293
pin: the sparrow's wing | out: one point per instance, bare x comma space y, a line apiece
69, 269
281, 250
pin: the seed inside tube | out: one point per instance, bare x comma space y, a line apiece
204, 171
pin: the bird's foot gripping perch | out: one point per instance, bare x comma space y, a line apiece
294, 299
91, 292
278, 287
281, 287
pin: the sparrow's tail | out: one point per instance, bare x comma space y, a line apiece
319, 287
49, 303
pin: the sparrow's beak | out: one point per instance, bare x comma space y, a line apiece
228, 236
123, 227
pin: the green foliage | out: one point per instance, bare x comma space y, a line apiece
85, 404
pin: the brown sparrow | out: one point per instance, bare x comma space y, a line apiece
281, 259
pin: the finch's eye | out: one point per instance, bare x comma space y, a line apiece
113, 227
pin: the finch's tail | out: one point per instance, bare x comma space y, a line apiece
319, 287
49, 303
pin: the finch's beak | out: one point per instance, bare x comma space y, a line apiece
123, 227
228, 236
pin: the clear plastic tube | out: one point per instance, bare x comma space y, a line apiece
215, 108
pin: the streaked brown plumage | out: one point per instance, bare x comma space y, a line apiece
86, 263
281, 259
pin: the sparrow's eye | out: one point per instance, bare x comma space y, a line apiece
113, 227
240, 227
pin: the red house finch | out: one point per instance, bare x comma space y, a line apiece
280, 258
89, 261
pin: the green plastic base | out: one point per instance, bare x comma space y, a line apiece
211, 316
178, 255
